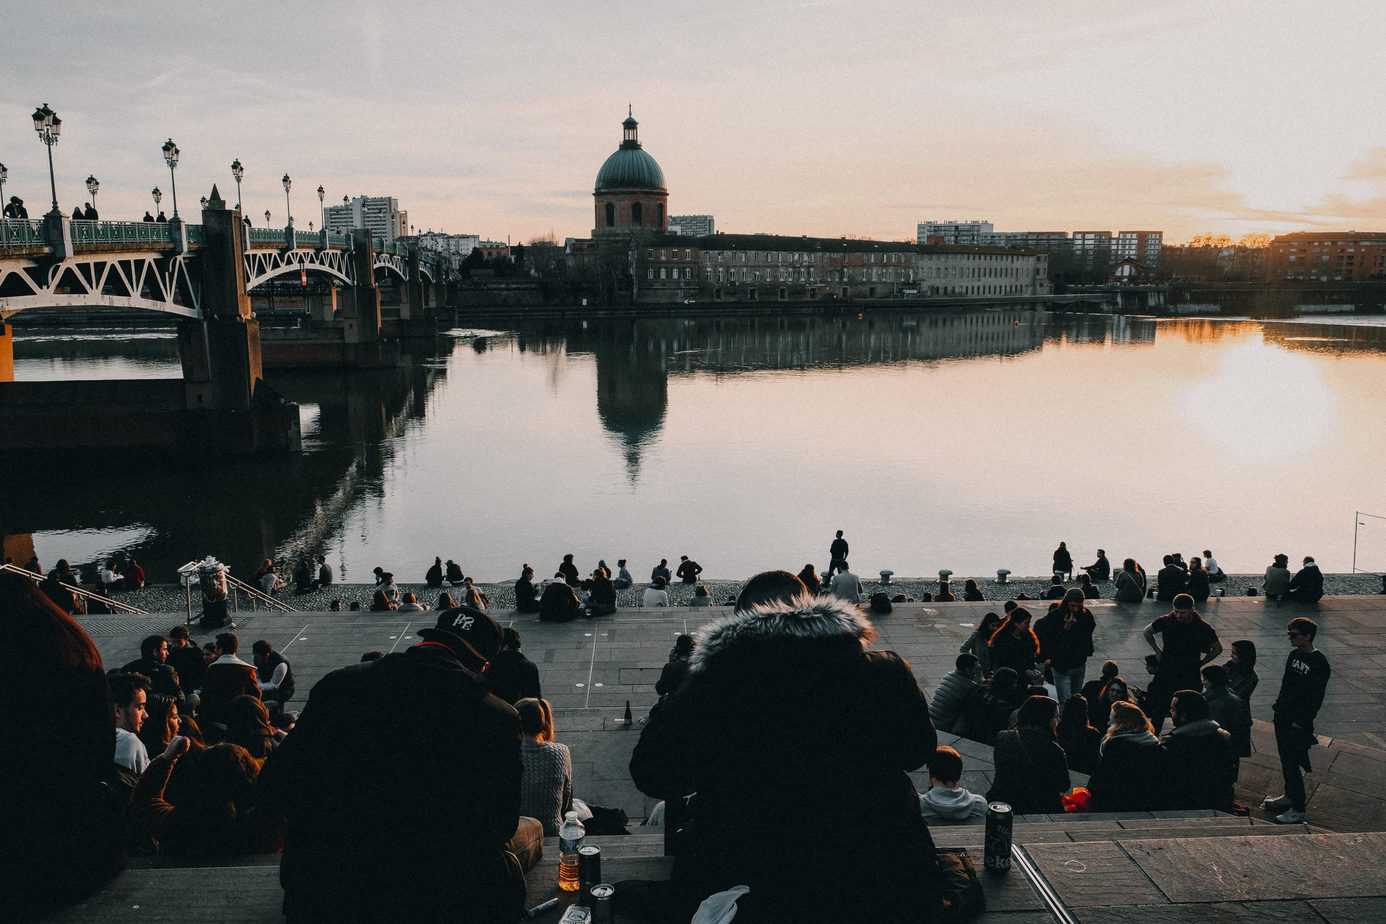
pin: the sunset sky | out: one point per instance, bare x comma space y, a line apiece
814, 117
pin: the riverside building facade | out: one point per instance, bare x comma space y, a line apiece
635, 256
1327, 256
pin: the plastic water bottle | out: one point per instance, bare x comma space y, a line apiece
570, 835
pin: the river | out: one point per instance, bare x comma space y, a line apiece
969, 441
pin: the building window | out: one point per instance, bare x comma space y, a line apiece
636, 214
610, 215
660, 208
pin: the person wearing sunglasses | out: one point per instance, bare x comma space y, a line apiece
1301, 694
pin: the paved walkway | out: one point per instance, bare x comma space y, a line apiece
591, 668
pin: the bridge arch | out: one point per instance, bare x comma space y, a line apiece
145, 281
263, 266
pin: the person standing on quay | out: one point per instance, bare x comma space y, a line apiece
688, 570
1065, 636
1301, 695
1063, 561
837, 556
1190, 643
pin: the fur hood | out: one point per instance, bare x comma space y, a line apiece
822, 617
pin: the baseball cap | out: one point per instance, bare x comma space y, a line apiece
465, 628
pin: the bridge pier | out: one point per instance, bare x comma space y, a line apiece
229, 409
6, 352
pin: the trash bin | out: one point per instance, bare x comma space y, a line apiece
211, 578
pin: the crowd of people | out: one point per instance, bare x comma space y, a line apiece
196, 752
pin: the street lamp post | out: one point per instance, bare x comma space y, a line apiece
93, 186
4, 222
171, 158
322, 206
49, 127
237, 171
288, 210
157, 197
267, 214
204, 202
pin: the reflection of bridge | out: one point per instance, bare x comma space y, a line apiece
56, 262
246, 508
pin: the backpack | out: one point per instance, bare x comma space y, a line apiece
880, 603
960, 892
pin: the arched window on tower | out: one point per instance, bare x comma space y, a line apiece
636, 214
610, 215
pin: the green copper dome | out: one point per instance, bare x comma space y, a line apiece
630, 166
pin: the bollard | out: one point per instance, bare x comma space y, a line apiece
886, 575
1002, 574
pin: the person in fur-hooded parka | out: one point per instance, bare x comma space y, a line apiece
796, 740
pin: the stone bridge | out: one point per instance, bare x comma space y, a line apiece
56, 262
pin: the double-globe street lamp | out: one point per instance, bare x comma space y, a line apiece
288, 210
49, 127
93, 186
157, 197
237, 171
171, 158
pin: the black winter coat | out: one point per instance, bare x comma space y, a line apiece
794, 739
1016, 652
1199, 767
513, 676
1129, 776
559, 603
400, 785
1066, 647
1031, 771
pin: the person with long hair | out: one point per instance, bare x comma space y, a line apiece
161, 723
1241, 671
1199, 587
976, 643
971, 592
1116, 690
206, 809
1079, 738
249, 726
1014, 644
1065, 635
546, 785
64, 822
380, 603
1130, 767
1130, 582
1031, 767
811, 580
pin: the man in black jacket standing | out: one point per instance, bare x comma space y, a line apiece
1301, 694
837, 555
401, 788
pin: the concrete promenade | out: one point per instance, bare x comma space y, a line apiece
590, 668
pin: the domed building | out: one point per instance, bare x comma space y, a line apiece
630, 193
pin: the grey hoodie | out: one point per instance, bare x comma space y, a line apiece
951, 805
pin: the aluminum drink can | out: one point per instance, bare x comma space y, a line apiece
603, 896
589, 865
997, 852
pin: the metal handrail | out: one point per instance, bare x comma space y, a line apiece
255, 593
21, 232
84, 594
188, 573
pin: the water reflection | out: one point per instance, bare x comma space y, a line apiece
970, 440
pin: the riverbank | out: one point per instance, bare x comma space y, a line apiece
169, 598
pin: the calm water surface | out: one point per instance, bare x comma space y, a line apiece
972, 442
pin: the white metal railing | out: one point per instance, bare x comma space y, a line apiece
236, 587
113, 605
